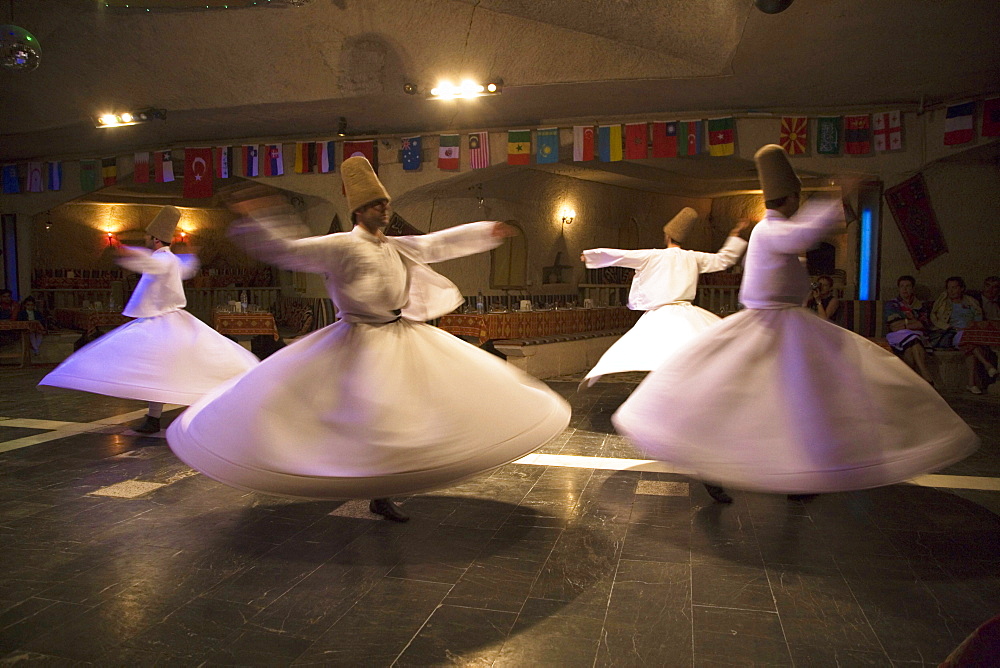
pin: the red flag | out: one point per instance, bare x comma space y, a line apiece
140, 173
636, 141
991, 118
198, 172
364, 148
794, 134
857, 135
665, 140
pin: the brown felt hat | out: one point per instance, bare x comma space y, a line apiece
361, 185
681, 224
777, 178
164, 225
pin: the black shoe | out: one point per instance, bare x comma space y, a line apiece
802, 497
388, 510
717, 493
150, 426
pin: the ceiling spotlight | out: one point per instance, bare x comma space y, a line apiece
342, 127
410, 89
772, 6
446, 90
118, 119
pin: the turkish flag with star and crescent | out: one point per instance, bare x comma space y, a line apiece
198, 179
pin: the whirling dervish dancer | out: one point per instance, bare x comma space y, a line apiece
775, 399
379, 403
164, 356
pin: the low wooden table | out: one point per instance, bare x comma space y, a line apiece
528, 324
23, 327
245, 324
85, 319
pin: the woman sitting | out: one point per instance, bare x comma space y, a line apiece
822, 300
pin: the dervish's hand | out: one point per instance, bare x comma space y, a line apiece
503, 230
741, 224
583, 258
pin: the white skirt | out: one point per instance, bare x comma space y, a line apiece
171, 358
654, 338
782, 401
358, 410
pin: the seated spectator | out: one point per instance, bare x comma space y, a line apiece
951, 315
8, 307
29, 312
822, 300
907, 321
989, 298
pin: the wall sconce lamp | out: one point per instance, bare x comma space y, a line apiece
568, 216
184, 237
118, 119
48, 220
342, 127
465, 90
111, 236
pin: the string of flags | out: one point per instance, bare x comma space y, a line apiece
855, 134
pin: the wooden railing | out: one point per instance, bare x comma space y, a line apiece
203, 301
721, 300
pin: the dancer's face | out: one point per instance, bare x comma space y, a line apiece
373, 217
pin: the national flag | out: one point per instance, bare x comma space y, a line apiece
223, 162
857, 134
251, 160
140, 167
55, 176
305, 157
828, 135
448, 152
609, 143
326, 156
274, 160
413, 153
583, 143
109, 171
689, 137
665, 139
163, 167
636, 141
958, 125
35, 184
11, 180
721, 136
88, 175
479, 149
547, 151
794, 134
364, 147
888, 131
198, 173
991, 117
519, 147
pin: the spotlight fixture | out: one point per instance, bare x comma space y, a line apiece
465, 90
118, 119
772, 6
410, 89
342, 127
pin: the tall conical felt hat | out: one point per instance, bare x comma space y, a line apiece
361, 185
681, 224
164, 224
777, 178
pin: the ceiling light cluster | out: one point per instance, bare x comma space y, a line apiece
446, 90
118, 119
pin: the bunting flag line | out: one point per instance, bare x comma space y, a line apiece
251, 160
363, 147
223, 162
857, 135
55, 176
34, 182
958, 124
479, 150
636, 141
11, 180
140, 167
689, 137
888, 131
198, 173
665, 139
828, 135
583, 143
412, 148
991, 118
794, 134
88, 175
448, 152
274, 160
721, 136
547, 151
305, 157
163, 167
326, 156
109, 171
519, 147
609, 143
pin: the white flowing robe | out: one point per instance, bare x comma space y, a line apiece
166, 355
379, 403
665, 283
775, 399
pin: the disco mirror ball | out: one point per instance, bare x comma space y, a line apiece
19, 50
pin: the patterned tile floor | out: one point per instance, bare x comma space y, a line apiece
115, 553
